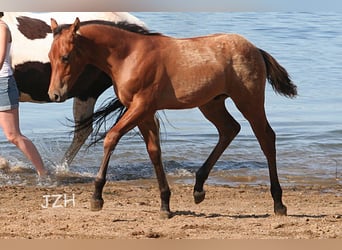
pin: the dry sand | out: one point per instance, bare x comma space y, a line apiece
131, 211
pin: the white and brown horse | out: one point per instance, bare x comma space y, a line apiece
151, 72
32, 38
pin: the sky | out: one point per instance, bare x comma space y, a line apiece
173, 5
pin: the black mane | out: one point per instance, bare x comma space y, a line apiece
121, 25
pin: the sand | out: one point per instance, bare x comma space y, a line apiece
131, 211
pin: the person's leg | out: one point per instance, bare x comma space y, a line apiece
9, 121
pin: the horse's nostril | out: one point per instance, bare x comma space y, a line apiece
56, 97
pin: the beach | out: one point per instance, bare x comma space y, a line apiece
131, 211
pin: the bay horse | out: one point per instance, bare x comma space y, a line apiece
152, 72
32, 38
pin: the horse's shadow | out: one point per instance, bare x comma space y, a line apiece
312, 216
242, 216
217, 215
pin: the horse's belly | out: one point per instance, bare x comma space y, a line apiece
190, 94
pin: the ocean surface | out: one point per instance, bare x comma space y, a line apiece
308, 128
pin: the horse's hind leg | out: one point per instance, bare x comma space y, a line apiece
149, 128
256, 116
216, 112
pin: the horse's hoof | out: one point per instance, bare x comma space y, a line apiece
165, 215
96, 205
280, 210
199, 196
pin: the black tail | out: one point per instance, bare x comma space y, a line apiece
278, 76
100, 117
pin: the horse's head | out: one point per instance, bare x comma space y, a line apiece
66, 61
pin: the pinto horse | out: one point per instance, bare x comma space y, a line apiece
32, 38
152, 72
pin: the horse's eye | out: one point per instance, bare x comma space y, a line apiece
65, 58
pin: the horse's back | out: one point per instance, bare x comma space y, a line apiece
211, 49
202, 68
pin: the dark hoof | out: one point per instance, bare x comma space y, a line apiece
165, 215
280, 210
199, 196
96, 205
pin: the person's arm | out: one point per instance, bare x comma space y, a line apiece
3, 43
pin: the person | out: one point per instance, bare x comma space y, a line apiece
9, 103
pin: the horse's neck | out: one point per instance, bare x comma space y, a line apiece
106, 48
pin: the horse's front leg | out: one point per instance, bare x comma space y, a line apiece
128, 121
149, 128
81, 110
96, 202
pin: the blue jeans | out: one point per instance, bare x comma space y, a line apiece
9, 93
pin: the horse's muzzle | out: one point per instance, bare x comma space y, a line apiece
55, 96
56, 93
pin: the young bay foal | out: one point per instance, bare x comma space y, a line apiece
152, 72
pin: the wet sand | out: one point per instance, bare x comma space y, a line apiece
131, 211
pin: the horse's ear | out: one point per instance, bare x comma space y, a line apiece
76, 25
54, 24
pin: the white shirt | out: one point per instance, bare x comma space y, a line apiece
6, 69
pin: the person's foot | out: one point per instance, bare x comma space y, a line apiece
4, 164
43, 173
46, 180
